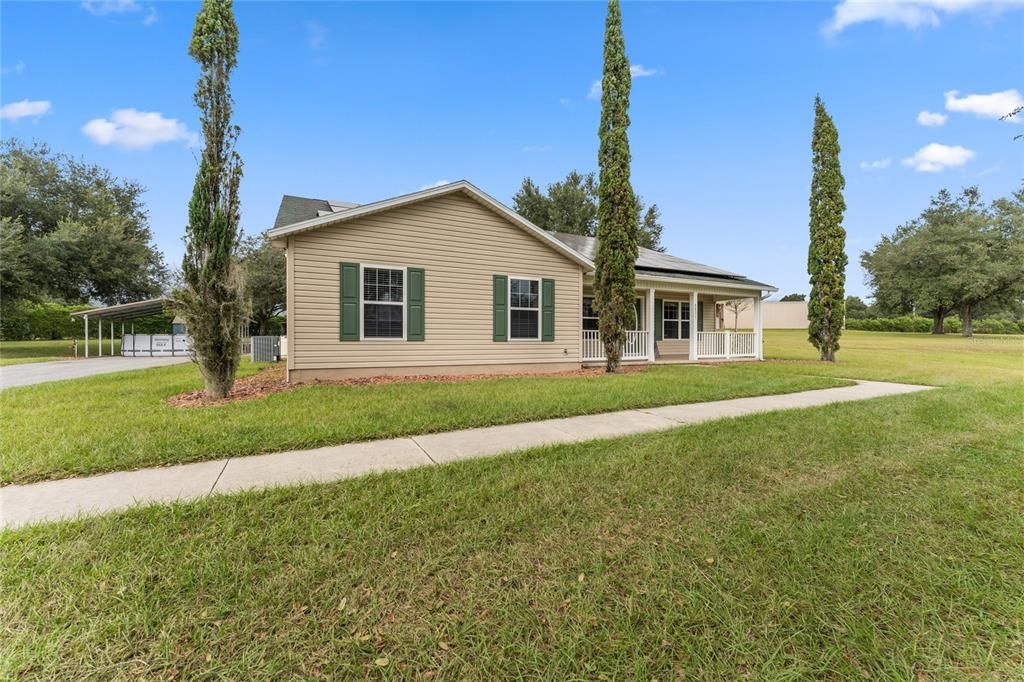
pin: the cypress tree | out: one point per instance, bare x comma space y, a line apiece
617, 227
826, 257
210, 300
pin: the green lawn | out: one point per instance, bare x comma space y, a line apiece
20, 352
913, 358
120, 421
875, 540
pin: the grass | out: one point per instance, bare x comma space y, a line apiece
882, 539
120, 421
912, 358
20, 352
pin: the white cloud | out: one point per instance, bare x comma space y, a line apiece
102, 8
635, 70
316, 34
537, 148
564, 101
641, 71
439, 183
993, 105
876, 165
134, 129
16, 70
25, 109
912, 14
927, 118
936, 157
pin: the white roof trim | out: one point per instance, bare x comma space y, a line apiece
431, 193
706, 283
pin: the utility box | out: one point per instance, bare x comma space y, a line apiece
266, 348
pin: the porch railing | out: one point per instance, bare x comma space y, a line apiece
635, 347
726, 345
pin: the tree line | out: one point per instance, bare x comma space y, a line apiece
570, 206
73, 235
960, 257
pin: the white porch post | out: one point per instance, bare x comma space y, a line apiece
86, 335
693, 326
99, 335
650, 325
111, 338
758, 328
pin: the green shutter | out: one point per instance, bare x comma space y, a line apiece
500, 308
349, 302
414, 292
547, 312
700, 316
657, 319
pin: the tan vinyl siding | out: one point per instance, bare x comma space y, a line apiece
461, 245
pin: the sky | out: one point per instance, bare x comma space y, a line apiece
363, 101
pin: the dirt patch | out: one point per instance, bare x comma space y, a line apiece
272, 380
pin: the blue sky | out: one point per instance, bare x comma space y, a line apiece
361, 101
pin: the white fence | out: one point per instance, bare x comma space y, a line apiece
155, 345
726, 345
635, 347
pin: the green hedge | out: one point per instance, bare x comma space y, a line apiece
923, 325
23, 321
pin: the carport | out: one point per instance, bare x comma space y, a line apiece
126, 312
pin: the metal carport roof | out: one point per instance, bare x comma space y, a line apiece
126, 311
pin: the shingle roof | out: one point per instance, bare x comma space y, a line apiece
649, 260
297, 209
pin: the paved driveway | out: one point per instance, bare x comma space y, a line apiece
41, 372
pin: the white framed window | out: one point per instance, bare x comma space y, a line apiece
382, 299
590, 318
524, 308
675, 320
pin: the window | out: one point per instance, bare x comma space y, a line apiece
589, 314
590, 319
383, 303
524, 308
675, 320
670, 320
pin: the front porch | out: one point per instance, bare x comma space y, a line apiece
676, 326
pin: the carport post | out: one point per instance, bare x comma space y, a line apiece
111, 338
122, 338
86, 335
99, 335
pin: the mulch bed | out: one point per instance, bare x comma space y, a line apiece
272, 380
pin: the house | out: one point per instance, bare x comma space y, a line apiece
448, 280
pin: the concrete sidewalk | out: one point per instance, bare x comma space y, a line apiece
51, 500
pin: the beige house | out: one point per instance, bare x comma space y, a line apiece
448, 280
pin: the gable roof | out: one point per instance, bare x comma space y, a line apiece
300, 214
298, 204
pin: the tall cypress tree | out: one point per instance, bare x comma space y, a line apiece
211, 301
617, 228
826, 257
